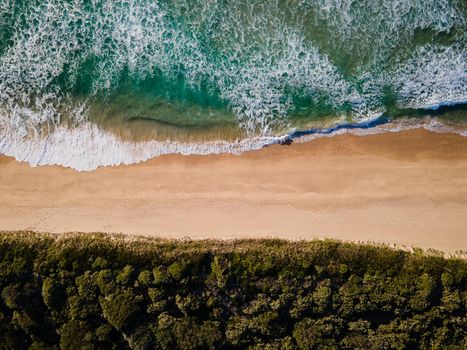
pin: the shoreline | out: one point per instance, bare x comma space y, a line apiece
407, 189
88, 147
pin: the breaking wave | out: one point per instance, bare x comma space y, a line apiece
72, 73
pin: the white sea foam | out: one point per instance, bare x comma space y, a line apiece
256, 56
403, 124
87, 147
433, 77
378, 26
257, 63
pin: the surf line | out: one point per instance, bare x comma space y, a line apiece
288, 139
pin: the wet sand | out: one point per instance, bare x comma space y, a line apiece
407, 188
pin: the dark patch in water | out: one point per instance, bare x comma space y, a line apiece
364, 125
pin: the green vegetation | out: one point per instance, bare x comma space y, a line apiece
95, 291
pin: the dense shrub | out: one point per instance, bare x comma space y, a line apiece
95, 291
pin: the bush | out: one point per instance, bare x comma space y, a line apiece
94, 291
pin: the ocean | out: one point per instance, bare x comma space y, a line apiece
89, 83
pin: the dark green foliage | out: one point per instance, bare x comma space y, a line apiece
119, 308
94, 291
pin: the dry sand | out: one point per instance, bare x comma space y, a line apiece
407, 188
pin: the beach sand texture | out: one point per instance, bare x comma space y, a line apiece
407, 188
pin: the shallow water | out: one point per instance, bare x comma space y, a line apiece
205, 71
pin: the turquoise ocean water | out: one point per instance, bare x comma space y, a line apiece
86, 83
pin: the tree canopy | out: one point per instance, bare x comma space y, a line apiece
96, 291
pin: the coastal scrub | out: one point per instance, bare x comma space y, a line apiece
97, 291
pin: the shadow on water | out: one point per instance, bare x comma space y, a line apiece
454, 113
346, 126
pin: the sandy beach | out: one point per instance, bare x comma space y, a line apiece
407, 188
